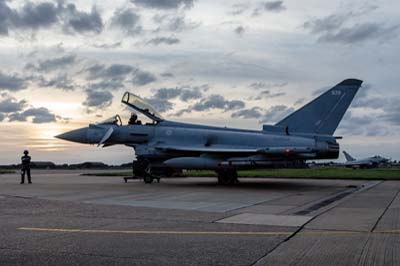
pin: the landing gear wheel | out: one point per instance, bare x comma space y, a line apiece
227, 177
148, 179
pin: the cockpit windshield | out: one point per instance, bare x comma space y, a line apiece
115, 120
142, 106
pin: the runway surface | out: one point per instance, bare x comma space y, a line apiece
67, 219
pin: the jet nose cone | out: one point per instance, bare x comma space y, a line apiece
77, 135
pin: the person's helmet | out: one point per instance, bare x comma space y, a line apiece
26, 152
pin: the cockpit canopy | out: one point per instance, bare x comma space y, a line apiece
141, 106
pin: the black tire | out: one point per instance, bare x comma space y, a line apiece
227, 177
148, 179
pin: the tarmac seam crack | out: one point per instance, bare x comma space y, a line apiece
362, 188
383, 213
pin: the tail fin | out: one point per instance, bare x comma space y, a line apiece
323, 114
349, 158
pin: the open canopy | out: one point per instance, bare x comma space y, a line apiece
141, 106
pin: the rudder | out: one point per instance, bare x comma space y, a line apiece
323, 114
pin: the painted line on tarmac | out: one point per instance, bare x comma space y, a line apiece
138, 232
237, 233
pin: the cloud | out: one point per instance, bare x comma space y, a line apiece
254, 112
114, 71
2, 116
128, 21
239, 8
173, 23
216, 101
97, 99
108, 84
161, 97
164, 4
276, 113
35, 16
39, 115
274, 6
52, 64
184, 93
163, 40
344, 29
11, 82
61, 81
267, 94
161, 105
263, 85
107, 45
239, 30
269, 6
141, 77
81, 22
11, 105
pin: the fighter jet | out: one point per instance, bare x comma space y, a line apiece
370, 162
162, 146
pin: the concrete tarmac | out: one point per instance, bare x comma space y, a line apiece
64, 218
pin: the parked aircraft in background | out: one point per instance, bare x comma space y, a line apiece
163, 146
370, 162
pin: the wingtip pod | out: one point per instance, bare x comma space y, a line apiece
351, 82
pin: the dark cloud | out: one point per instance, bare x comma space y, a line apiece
163, 40
254, 112
173, 23
216, 101
274, 6
80, 21
239, 30
269, 6
167, 75
39, 115
161, 97
114, 71
164, 4
11, 105
161, 105
108, 84
97, 99
141, 77
11, 82
52, 64
340, 28
107, 45
128, 21
184, 93
61, 81
276, 113
263, 85
267, 94
2, 116
35, 16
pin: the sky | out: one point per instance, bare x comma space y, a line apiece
65, 64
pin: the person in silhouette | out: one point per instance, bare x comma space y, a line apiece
26, 167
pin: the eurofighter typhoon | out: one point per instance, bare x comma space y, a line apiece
163, 146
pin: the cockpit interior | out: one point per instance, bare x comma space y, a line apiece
139, 105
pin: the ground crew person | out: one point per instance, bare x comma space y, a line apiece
26, 167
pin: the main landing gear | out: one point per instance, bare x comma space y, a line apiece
227, 176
